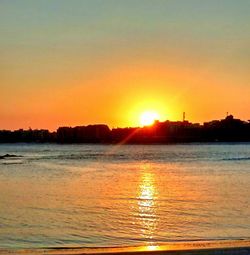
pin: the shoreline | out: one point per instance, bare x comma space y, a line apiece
232, 247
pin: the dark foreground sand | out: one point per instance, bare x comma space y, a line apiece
181, 248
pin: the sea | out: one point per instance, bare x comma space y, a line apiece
123, 195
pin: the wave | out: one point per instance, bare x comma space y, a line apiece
5, 156
11, 159
12, 162
93, 156
237, 159
84, 156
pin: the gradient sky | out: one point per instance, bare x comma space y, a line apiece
106, 61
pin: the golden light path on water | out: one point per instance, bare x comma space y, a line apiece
147, 193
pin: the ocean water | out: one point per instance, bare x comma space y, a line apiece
103, 195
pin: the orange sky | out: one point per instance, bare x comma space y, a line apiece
88, 63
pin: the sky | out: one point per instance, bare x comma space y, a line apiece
78, 62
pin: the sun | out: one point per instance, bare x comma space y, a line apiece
147, 118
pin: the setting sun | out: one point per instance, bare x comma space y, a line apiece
147, 118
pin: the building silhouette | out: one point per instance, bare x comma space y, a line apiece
229, 129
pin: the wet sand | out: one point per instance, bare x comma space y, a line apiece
239, 247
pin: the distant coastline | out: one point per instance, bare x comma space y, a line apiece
229, 129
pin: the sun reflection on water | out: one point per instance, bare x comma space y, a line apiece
147, 208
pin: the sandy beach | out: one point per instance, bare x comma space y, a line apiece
239, 247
